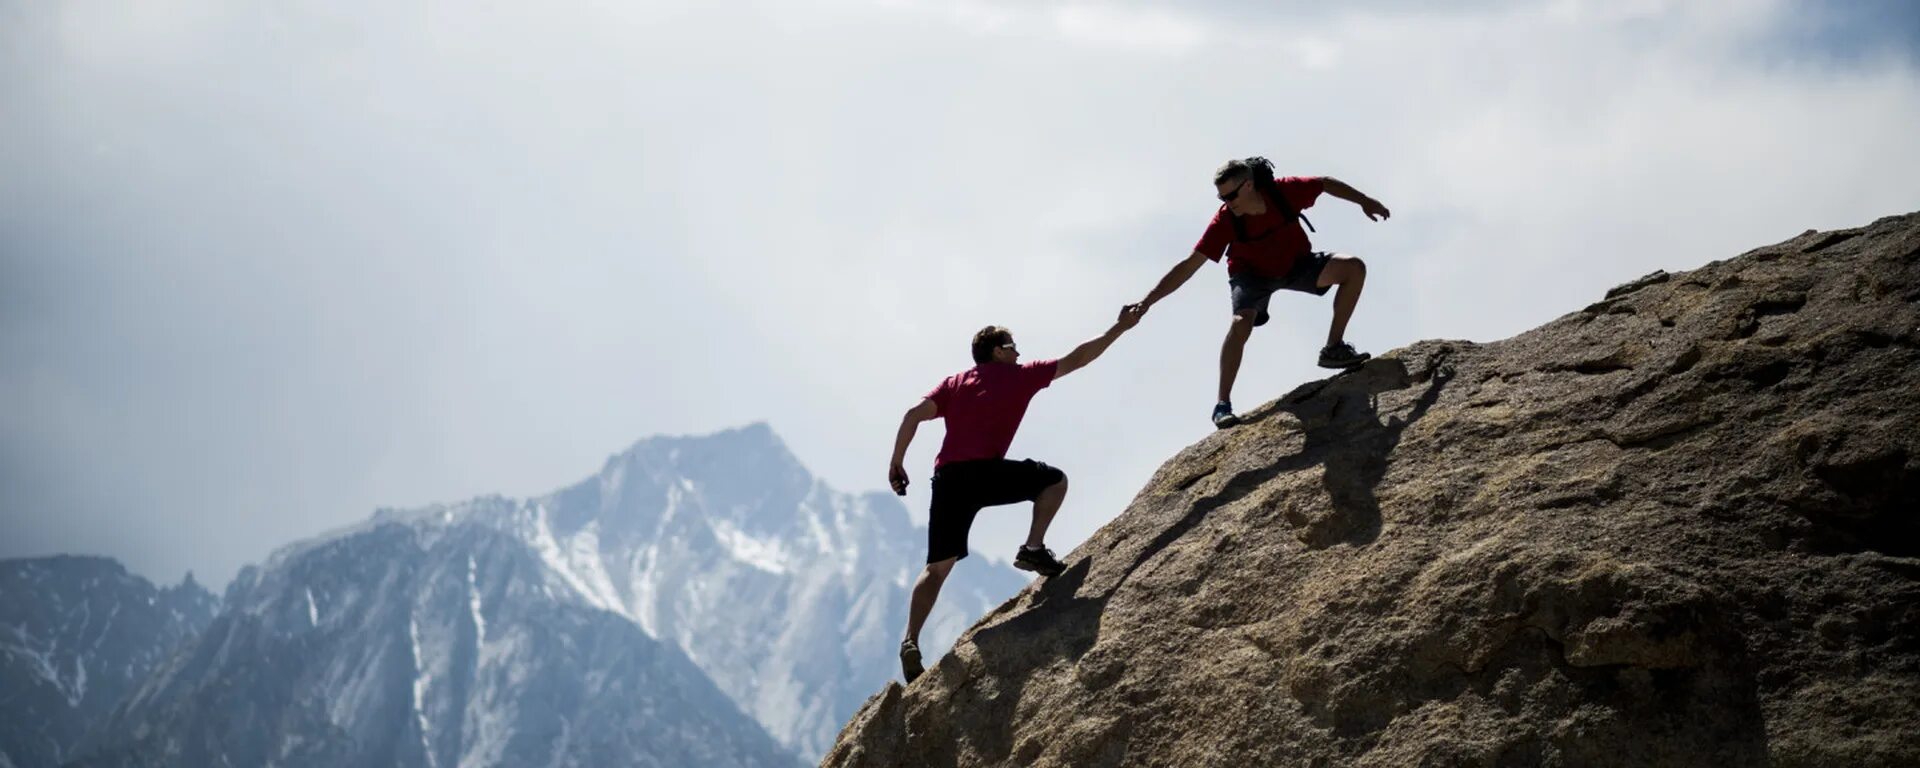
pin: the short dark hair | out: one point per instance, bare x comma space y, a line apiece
988, 339
1232, 170
1260, 168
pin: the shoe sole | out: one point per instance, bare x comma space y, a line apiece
1226, 421
911, 667
1345, 365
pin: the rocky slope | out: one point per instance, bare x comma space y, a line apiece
77, 634
1678, 527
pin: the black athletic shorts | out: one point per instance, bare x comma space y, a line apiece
962, 488
1251, 291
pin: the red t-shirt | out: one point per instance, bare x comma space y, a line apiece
983, 406
1273, 238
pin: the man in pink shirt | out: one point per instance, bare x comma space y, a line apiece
1257, 229
983, 406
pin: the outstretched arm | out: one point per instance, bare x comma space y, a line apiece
1174, 278
1369, 206
1086, 352
909, 424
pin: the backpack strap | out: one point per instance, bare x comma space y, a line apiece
1277, 199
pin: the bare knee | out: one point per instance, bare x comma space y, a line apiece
1242, 326
1059, 487
1344, 270
937, 572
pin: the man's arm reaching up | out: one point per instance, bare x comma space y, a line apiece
1369, 206
1091, 349
909, 424
1175, 277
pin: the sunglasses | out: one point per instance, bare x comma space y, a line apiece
1229, 197
1009, 346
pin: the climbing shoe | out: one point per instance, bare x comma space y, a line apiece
1040, 561
910, 666
1223, 416
1341, 355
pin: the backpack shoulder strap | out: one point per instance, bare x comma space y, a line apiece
1280, 199
1277, 198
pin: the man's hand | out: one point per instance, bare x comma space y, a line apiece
1086, 352
897, 477
1374, 210
1175, 277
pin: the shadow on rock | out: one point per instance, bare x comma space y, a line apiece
1054, 622
1343, 433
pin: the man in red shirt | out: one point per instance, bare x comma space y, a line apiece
1258, 230
983, 406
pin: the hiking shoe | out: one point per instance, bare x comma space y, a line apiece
910, 665
1040, 561
1223, 416
1341, 355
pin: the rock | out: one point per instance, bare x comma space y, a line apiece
1678, 527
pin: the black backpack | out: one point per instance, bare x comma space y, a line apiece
1261, 171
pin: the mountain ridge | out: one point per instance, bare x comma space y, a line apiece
77, 634
785, 593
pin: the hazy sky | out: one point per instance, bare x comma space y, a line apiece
265, 266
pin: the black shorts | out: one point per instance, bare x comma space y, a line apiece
1252, 291
962, 488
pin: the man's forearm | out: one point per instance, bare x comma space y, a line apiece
908, 426
1090, 350
1174, 278
1344, 191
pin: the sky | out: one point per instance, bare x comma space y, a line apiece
266, 267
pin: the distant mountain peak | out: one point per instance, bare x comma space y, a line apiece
78, 633
753, 441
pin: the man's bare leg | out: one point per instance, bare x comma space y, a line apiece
925, 592
1351, 275
1230, 350
1044, 508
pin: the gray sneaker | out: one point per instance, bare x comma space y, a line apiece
910, 665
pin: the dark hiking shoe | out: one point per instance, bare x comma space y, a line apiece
1223, 416
1039, 561
1341, 355
910, 666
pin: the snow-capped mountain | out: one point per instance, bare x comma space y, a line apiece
77, 634
790, 594
426, 642
500, 631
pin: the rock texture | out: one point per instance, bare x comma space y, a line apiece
1678, 527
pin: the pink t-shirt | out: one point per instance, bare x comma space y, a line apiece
983, 406
1273, 238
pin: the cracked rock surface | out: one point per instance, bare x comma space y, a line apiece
1680, 526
